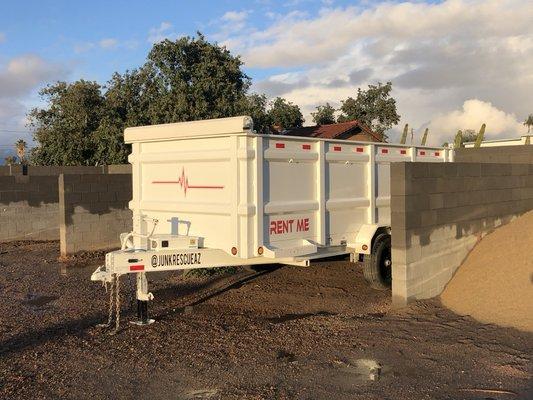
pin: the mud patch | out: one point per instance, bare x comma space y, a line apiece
36, 300
284, 355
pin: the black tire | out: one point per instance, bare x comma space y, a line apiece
377, 266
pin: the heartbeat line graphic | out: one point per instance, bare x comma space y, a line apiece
183, 182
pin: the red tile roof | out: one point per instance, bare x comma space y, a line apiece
333, 131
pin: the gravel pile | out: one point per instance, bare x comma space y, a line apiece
495, 282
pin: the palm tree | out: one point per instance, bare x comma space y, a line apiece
21, 146
529, 122
10, 160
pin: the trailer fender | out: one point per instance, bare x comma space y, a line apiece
365, 236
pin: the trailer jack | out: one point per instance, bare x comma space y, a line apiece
143, 296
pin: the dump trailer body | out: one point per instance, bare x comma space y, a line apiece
224, 195
214, 193
238, 192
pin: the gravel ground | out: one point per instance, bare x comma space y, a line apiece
283, 333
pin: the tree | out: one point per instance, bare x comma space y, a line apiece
194, 79
469, 135
374, 107
65, 129
324, 115
255, 105
10, 160
21, 147
183, 80
284, 114
529, 123
128, 100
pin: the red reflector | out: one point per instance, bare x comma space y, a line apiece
280, 145
136, 267
403, 151
306, 146
337, 148
384, 151
437, 154
359, 149
422, 153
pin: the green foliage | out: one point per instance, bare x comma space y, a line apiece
194, 80
285, 114
255, 105
425, 137
20, 147
324, 115
374, 107
458, 142
404, 134
469, 135
10, 160
65, 130
480, 136
529, 122
187, 79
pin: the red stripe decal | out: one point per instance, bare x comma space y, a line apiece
166, 181
403, 151
136, 267
183, 182
306, 146
359, 149
384, 151
337, 148
280, 145
422, 153
437, 154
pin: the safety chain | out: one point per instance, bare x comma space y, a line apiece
117, 305
114, 298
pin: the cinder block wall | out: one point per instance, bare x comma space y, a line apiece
439, 212
93, 211
53, 170
501, 154
29, 208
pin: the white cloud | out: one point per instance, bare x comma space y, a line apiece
20, 77
235, 16
22, 74
436, 54
83, 47
472, 115
108, 43
162, 32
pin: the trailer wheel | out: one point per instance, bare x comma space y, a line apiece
377, 266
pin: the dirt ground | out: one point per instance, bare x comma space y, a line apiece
285, 333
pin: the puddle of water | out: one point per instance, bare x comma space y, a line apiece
38, 300
291, 317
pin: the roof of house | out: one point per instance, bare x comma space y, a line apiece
332, 131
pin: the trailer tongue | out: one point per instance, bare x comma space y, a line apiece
214, 194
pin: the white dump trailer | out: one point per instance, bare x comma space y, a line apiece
214, 193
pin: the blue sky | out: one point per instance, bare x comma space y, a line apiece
453, 63
71, 31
